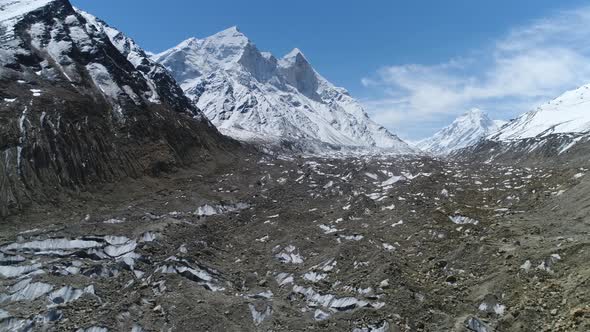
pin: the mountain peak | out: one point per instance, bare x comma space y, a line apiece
190, 41
474, 115
475, 112
233, 29
231, 36
294, 56
466, 130
294, 52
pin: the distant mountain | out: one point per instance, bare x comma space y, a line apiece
81, 103
557, 131
568, 113
253, 96
466, 130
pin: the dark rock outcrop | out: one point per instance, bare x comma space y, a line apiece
80, 105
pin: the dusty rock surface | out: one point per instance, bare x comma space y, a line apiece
296, 244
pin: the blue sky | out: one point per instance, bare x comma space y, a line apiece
414, 64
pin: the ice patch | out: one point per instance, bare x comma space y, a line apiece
210, 210
320, 315
93, 329
497, 308
329, 229
116, 240
379, 327
399, 223
290, 255
389, 207
388, 247
372, 176
314, 276
462, 220
68, 294
526, 266
114, 221
474, 324
26, 291
260, 316
284, 278
392, 180
12, 271
330, 301
356, 237
52, 244
119, 250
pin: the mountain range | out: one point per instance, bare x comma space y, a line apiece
83, 104
568, 113
551, 129
251, 95
556, 129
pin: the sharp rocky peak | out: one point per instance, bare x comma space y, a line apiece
294, 55
221, 49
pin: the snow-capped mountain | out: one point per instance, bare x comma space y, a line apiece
559, 128
465, 131
251, 95
81, 103
568, 113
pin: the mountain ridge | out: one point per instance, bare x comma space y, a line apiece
567, 113
252, 95
464, 131
555, 131
80, 107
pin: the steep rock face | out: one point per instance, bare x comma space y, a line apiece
80, 103
465, 131
252, 95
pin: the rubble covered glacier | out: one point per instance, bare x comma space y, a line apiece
375, 243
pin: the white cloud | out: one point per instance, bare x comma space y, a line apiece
532, 64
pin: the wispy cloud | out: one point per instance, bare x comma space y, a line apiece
530, 65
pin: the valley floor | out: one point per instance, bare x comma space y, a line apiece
358, 244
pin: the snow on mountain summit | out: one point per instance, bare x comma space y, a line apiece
291, 57
568, 113
252, 95
11, 10
465, 131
